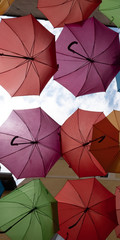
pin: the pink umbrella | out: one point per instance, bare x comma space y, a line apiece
29, 143
88, 55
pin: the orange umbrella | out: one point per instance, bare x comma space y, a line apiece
107, 151
4, 5
62, 12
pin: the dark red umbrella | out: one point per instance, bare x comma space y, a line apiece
76, 136
107, 151
62, 12
27, 56
87, 62
86, 210
29, 143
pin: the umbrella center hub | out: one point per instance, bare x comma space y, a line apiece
90, 60
86, 209
34, 142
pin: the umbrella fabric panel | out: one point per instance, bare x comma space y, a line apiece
17, 207
65, 12
32, 140
26, 53
87, 65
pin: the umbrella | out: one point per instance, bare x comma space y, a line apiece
29, 143
76, 135
67, 11
117, 194
118, 81
28, 211
2, 189
27, 56
86, 210
111, 9
87, 62
4, 5
107, 151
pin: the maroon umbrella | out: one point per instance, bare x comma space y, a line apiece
87, 61
29, 143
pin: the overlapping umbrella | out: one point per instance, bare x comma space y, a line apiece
111, 9
67, 11
87, 62
4, 5
76, 136
29, 212
27, 56
29, 143
86, 210
107, 151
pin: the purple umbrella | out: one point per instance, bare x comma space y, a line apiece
29, 143
88, 54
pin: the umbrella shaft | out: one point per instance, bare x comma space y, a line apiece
94, 140
23, 57
70, 49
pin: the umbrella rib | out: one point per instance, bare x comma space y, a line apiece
18, 38
103, 133
102, 81
23, 121
77, 193
116, 119
106, 48
27, 161
14, 152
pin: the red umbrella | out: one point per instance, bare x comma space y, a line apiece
87, 61
29, 143
86, 210
76, 136
27, 56
62, 12
117, 193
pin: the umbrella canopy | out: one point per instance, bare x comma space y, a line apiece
87, 62
107, 151
76, 136
28, 211
2, 189
118, 81
27, 56
86, 210
114, 118
67, 11
29, 143
117, 193
4, 5
111, 9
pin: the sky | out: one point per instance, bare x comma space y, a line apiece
57, 101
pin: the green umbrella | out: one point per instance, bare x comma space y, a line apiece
111, 9
29, 213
